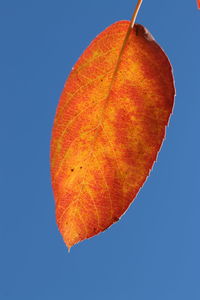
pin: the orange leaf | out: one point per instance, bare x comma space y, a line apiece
109, 126
198, 4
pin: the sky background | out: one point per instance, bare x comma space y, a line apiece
153, 252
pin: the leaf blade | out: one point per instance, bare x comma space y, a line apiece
100, 129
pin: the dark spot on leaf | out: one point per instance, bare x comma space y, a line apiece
81, 167
72, 170
136, 30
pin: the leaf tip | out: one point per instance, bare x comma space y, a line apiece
70, 237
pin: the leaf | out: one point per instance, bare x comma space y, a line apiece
108, 129
198, 4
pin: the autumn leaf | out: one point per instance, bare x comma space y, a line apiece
109, 126
198, 4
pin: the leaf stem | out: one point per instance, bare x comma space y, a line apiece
134, 16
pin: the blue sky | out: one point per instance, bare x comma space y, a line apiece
153, 252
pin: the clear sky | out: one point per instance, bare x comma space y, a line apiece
153, 252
